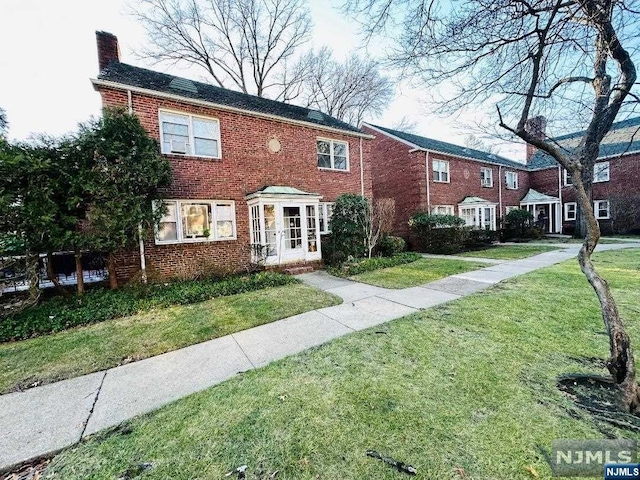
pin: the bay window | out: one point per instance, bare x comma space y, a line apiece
197, 221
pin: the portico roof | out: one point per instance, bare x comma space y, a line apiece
533, 196
470, 201
281, 191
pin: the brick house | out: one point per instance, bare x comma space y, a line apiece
247, 171
426, 174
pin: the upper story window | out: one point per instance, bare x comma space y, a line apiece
601, 172
567, 179
191, 135
197, 220
441, 171
325, 210
333, 154
601, 209
511, 179
486, 177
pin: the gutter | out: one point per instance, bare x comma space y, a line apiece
169, 96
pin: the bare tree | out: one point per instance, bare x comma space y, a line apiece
377, 221
348, 91
565, 59
472, 141
243, 44
405, 124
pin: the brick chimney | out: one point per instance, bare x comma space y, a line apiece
108, 50
536, 126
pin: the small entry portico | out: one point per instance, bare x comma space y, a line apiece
537, 203
284, 225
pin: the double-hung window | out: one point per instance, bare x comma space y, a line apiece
511, 180
601, 172
332, 154
570, 211
197, 220
182, 134
486, 177
325, 210
567, 179
601, 209
442, 210
441, 171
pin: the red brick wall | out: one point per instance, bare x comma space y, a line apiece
246, 166
401, 175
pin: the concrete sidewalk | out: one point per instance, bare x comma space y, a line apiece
46, 419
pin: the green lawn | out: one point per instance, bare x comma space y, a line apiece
509, 252
416, 273
570, 240
465, 390
107, 344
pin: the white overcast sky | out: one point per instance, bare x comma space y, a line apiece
49, 54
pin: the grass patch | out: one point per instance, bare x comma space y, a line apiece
466, 390
349, 269
508, 252
416, 273
573, 241
60, 313
107, 344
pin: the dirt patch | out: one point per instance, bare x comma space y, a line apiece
28, 471
599, 396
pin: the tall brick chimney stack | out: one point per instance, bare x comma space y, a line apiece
536, 126
108, 50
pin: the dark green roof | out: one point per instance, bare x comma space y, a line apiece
161, 82
450, 148
623, 138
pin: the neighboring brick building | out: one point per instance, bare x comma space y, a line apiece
425, 174
247, 171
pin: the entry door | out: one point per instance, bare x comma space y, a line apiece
292, 232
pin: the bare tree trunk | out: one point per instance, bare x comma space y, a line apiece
113, 278
53, 277
621, 364
79, 274
31, 261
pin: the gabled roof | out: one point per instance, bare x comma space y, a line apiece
622, 139
438, 146
280, 191
475, 201
533, 196
140, 78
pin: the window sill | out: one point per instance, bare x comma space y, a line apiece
601, 181
327, 169
195, 240
190, 157
487, 186
511, 188
442, 181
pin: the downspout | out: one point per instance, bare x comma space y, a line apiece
560, 214
143, 260
426, 163
500, 189
361, 171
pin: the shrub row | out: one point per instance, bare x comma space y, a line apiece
370, 264
59, 313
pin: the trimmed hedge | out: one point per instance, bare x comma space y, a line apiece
390, 245
439, 233
59, 313
370, 264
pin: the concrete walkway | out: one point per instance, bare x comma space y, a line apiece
46, 419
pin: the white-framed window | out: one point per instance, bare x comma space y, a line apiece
511, 180
332, 154
325, 211
441, 171
486, 177
479, 216
510, 208
191, 135
567, 179
197, 221
442, 209
570, 211
601, 209
601, 172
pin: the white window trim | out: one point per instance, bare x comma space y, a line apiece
190, 116
448, 170
490, 177
212, 225
602, 165
506, 181
479, 215
451, 209
596, 209
331, 155
566, 211
322, 206
566, 176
